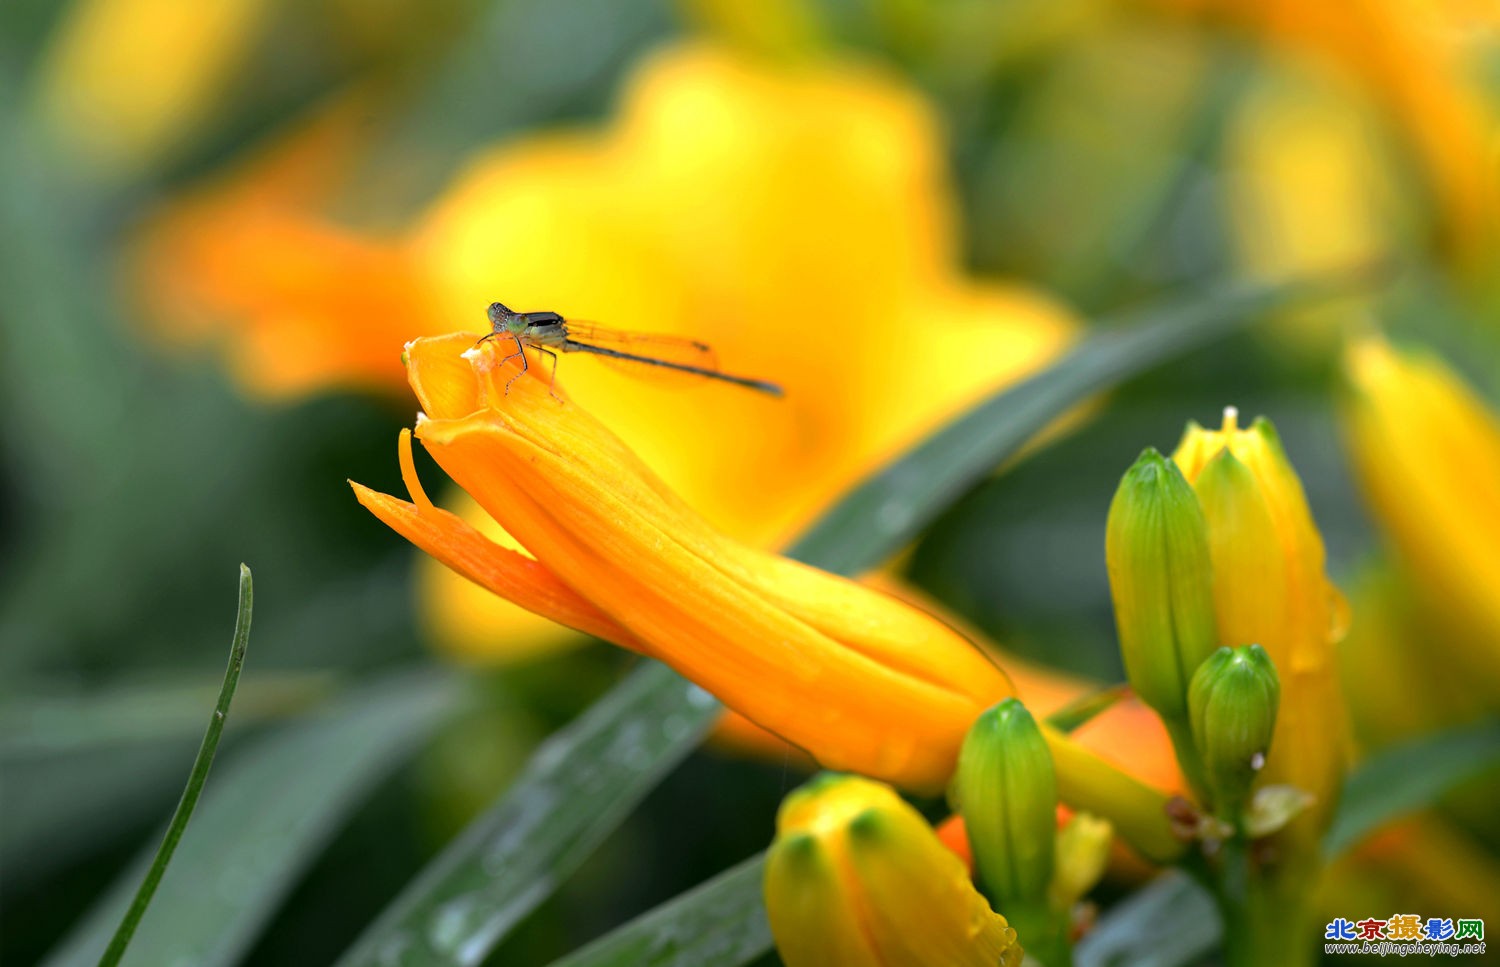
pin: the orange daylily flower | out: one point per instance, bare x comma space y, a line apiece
862, 681
797, 217
868, 683
244, 249
1128, 735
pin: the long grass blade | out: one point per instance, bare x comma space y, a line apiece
273, 805
196, 778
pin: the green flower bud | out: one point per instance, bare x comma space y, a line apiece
1233, 702
1007, 792
1160, 577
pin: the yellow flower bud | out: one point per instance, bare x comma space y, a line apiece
856, 878
1270, 589
1161, 581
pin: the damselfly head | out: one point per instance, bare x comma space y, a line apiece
502, 319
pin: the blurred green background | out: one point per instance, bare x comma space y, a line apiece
1094, 149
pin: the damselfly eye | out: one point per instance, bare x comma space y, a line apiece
497, 314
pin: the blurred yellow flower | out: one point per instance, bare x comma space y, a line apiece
1270, 589
856, 878
1309, 190
1410, 58
797, 217
124, 81
1407, 666
861, 680
1427, 452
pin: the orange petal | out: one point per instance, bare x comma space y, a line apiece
516, 577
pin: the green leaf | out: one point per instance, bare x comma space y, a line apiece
84, 766
891, 507
576, 789
1406, 778
1170, 922
34, 726
271, 808
197, 776
722, 921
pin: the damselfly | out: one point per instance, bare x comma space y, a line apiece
549, 333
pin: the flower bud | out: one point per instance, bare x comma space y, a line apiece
856, 878
1160, 577
1007, 791
1233, 701
1271, 588
1082, 855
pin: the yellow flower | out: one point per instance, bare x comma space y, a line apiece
125, 86
856, 878
1270, 589
126, 80
1410, 60
796, 217
862, 681
1427, 452
1309, 195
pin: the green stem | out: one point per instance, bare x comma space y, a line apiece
1264, 911
1187, 756
196, 779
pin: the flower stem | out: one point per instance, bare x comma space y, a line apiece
1263, 909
